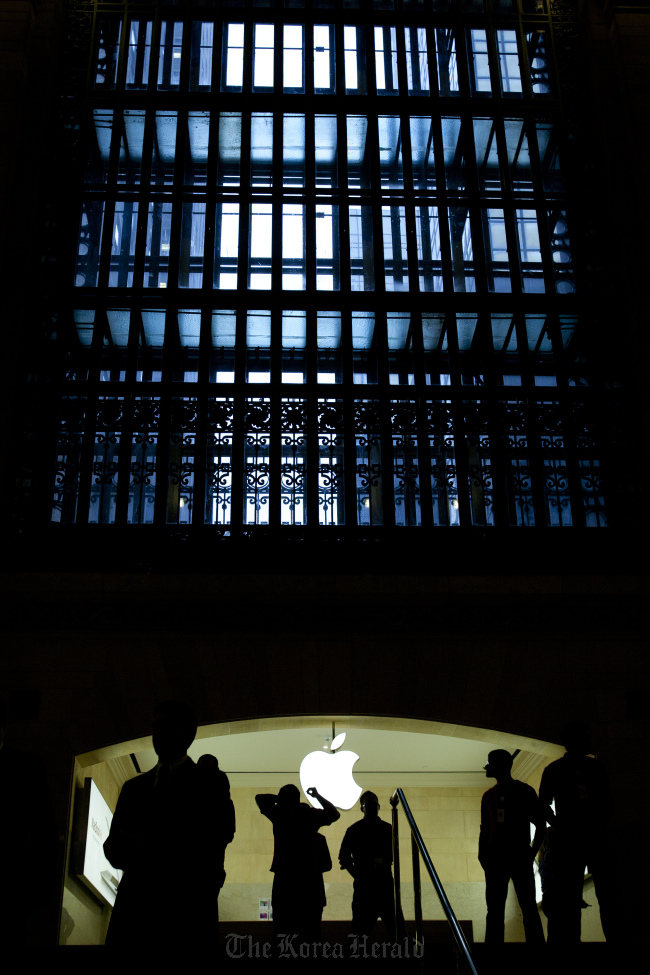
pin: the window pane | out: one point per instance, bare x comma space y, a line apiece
139, 54
479, 63
518, 155
293, 247
462, 251
354, 42
358, 162
292, 58
169, 57
156, 262
125, 225
390, 152
261, 149
453, 142
131, 143
447, 62
509, 62
530, 254
364, 356
164, 149
386, 60
395, 260
258, 345
89, 243
293, 151
362, 270
417, 66
201, 56
326, 151
196, 155
260, 236
328, 276
226, 245
263, 56
233, 71
324, 63
496, 250
428, 243
422, 160
229, 159
487, 159
192, 241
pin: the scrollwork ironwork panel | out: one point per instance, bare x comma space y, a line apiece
444, 485
478, 445
370, 507
219, 471
181, 466
142, 475
556, 479
331, 481
67, 472
406, 473
257, 464
293, 423
519, 485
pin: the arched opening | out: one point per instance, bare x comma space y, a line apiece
439, 766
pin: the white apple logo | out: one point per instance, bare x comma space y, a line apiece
331, 774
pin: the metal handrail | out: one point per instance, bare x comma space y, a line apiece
417, 846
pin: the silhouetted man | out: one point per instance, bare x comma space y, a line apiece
581, 835
168, 835
504, 849
212, 763
298, 895
367, 853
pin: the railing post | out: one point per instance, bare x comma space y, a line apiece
400, 927
417, 894
460, 940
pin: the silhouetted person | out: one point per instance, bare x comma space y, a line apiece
298, 894
28, 848
504, 849
211, 762
367, 853
168, 835
581, 829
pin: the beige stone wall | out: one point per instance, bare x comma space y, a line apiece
449, 821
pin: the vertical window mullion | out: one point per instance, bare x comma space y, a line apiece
349, 433
238, 458
308, 59
275, 432
245, 207
310, 206
249, 41
202, 433
343, 209
277, 198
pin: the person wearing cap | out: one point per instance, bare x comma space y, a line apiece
505, 851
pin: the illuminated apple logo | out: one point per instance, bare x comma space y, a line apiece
330, 772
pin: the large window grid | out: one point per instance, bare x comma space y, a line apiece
240, 221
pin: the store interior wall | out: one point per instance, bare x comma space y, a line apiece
448, 819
